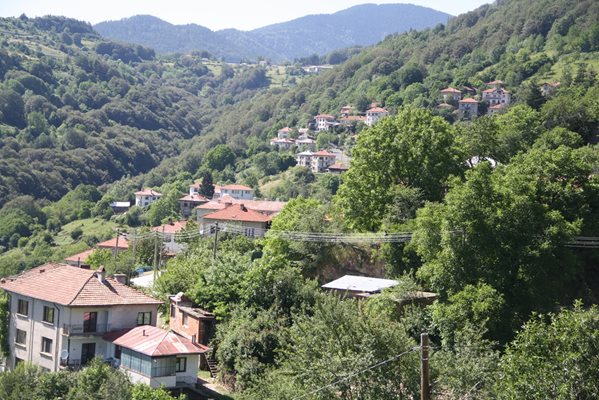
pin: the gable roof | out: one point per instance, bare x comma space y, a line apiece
450, 90
376, 110
148, 192
236, 187
111, 243
173, 227
154, 342
468, 100
194, 197
324, 153
81, 257
75, 287
238, 212
324, 116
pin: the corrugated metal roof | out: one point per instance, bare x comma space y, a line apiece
360, 284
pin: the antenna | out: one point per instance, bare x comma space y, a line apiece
64, 357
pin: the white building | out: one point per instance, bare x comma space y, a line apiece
321, 161
304, 159
374, 114
282, 143
145, 197
284, 132
62, 316
468, 108
324, 122
451, 94
497, 96
238, 192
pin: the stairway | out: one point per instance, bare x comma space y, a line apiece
212, 366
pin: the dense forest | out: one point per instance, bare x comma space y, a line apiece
499, 240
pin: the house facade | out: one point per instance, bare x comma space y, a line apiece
324, 122
468, 108
497, 96
238, 192
237, 218
189, 202
321, 161
374, 114
145, 197
282, 143
451, 94
58, 314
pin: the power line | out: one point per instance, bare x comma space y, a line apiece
348, 377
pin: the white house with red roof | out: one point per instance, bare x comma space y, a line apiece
284, 133
451, 94
321, 160
58, 314
238, 192
169, 231
237, 218
282, 143
468, 108
497, 95
324, 122
374, 114
146, 196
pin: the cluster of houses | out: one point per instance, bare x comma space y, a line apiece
496, 97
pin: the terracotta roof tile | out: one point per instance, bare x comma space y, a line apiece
236, 187
148, 192
450, 90
81, 257
111, 243
154, 342
238, 212
376, 110
173, 227
197, 198
324, 153
70, 286
469, 100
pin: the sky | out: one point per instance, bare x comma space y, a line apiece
219, 14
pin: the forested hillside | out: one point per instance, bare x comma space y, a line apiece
75, 108
362, 25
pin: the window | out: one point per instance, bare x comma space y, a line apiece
46, 345
90, 321
144, 318
23, 307
48, 314
21, 337
173, 311
181, 364
185, 319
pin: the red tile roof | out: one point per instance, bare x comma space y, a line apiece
469, 100
111, 243
194, 198
236, 187
173, 227
265, 206
75, 287
376, 110
496, 82
286, 129
450, 90
324, 153
147, 192
154, 342
81, 257
324, 116
238, 212
339, 166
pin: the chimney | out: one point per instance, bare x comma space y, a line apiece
121, 278
143, 333
243, 207
101, 274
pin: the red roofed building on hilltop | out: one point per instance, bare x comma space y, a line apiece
374, 114
451, 94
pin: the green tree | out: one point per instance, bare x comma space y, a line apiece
554, 357
219, 157
414, 149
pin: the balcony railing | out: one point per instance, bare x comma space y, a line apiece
85, 329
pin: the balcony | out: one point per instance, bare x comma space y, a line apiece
85, 329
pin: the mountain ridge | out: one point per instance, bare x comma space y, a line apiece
283, 41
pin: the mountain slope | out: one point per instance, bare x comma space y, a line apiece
360, 25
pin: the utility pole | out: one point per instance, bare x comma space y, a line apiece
116, 245
424, 377
133, 255
215, 242
156, 256
161, 248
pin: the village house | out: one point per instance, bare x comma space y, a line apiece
192, 323
325, 122
350, 120
374, 114
80, 260
145, 197
346, 111
304, 159
189, 202
321, 160
238, 192
282, 143
338, 168
496, 109
305, 142
266, 207
451, 94
468, 108
496, 96
549, 88
171, 244
58, 314
115, 245
237, 218
284, 132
